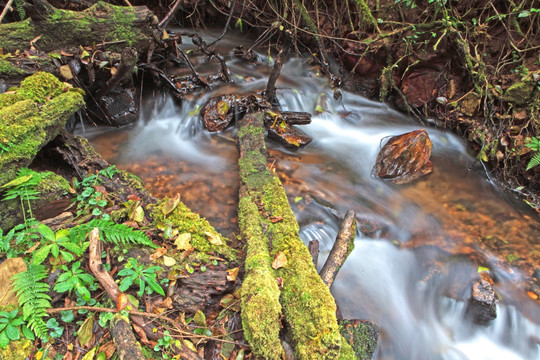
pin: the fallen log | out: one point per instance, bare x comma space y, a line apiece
276, 255
49, 28
127, 346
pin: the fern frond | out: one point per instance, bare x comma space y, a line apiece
33, 297
117, 233
535, 160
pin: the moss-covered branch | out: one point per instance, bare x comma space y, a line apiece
270, 229
51, 28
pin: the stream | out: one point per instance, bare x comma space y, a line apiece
418, 247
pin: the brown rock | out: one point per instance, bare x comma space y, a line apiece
420, 86
405, 157
218, 113
482, 304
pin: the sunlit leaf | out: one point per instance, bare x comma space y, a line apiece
239, 25
213, 238
482, 269
232, 274
138, 214
121, 301
182, 242
222, 109
168, 261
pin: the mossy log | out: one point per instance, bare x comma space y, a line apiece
49, 28
270, 229
126, 344
30, 117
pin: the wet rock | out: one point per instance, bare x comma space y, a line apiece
519, 93
362, 335
218, 113
470, 104
405, 157
482, 304
288, 136
120, 107
420, 86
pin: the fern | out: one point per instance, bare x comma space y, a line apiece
115, 233
33, 297
535, 160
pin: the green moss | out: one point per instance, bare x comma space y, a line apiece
40, 87
362, 335
25, 127
10, 98
17, 350
307, 304
6, 68
186, 221
123, 29
261, 310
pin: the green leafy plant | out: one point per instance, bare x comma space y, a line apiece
56, 330
534, 145
165, 344
19, 238
24, 188
33, 298
76, 279
9, 327
135, 273
113, 233
89, 199
55, 244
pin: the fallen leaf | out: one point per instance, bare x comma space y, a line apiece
182, 242
65, 71
189, 345
122, 301
232, 274
142, 335
279, 261
199, 318
222, 109
168, 261
85, 331
170, 205
108, 348
213, 238
275, 219
158, 253
138, 214
91, 354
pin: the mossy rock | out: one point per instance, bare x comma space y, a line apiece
36, 114
519, 93
361, 335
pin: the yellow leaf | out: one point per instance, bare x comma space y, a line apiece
91, 354
182, 242
65, 71
138, 214
222, 109
170, 205
232, 274
279, 261
121, 301
85, 331
168, 261
213, 238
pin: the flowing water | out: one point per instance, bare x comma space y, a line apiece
418, 247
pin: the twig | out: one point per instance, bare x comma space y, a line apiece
233, 6
163, 23
6, 8
343, 246
270, 93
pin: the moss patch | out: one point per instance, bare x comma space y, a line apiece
6, 68
204, 238
40, 87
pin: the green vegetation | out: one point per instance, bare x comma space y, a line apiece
145, 278
534, 145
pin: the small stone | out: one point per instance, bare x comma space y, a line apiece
482, 304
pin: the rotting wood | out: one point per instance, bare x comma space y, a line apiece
127, 347
307, 305
104, 24
128, 61
270, 93
341, 249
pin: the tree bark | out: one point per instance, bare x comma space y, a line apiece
127, 347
